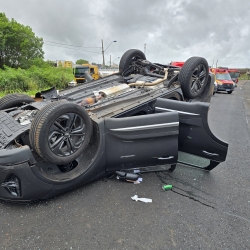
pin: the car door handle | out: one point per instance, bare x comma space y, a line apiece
210, 154
165, 158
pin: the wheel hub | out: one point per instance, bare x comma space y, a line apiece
67, 134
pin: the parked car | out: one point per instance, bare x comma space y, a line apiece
148, 117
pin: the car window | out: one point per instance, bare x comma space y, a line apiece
193, 160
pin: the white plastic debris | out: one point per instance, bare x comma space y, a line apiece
138, 181
146, 200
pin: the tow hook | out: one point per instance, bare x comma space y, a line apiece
127, 176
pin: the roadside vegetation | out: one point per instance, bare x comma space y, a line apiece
22, 68
244, 77
34, 79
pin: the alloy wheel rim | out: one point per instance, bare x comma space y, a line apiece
66, 134
198, 78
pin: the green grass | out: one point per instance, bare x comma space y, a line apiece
34, 79
244, 77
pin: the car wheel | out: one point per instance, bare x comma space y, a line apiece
14, 100
193, 77
60, 132
229, 92
128, 57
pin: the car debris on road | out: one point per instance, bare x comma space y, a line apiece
146, 200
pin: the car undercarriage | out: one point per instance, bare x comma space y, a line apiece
148, 117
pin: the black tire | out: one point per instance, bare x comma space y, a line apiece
193, 77
53, 132
128, 57
229, 92
14, 100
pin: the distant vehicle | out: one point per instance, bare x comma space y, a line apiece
178, 64
235, 74
223, 80
79, 72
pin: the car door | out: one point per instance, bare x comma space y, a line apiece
198, 146
141, 141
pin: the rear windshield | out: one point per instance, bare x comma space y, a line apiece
223, 77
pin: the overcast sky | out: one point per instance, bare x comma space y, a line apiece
170, 30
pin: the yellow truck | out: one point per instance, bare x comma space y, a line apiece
79, 72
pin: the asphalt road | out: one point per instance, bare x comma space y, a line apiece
203, 211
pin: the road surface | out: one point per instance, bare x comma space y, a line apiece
204, 210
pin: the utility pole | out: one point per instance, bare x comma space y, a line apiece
103, 60
213, 63
110, 61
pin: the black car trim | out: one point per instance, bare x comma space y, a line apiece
15, 156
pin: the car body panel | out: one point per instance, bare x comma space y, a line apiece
195, 136
140, 141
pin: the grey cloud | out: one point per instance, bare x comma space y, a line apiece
171, 30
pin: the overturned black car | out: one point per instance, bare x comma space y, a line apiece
145, 118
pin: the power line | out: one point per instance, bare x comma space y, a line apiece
71, 45
72, 48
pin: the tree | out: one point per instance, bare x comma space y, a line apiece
18, 44
81, 61
51, 63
